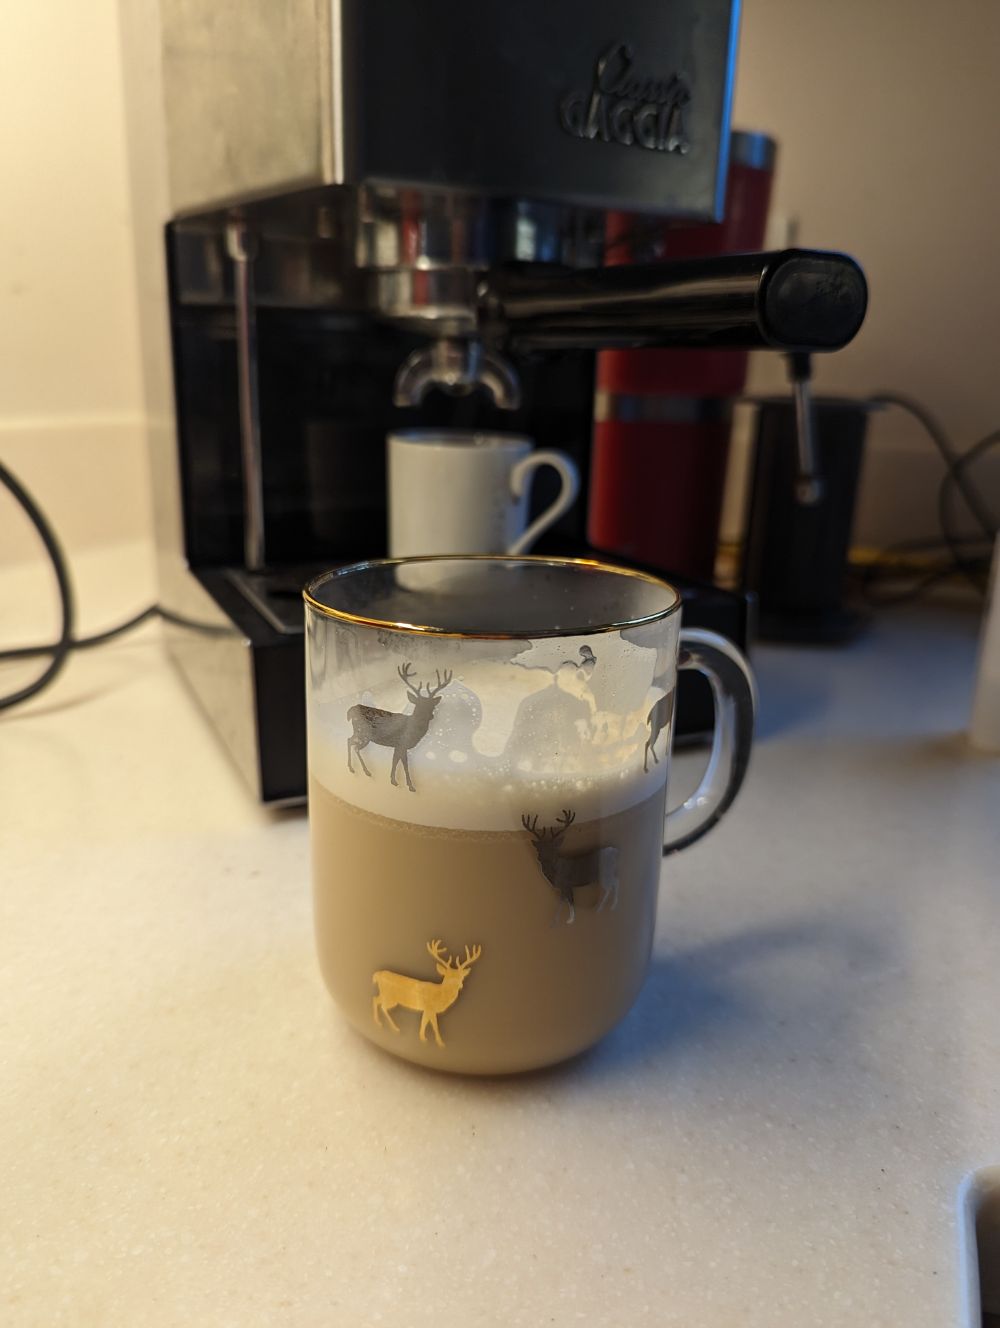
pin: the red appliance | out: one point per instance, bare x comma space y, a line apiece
663, 417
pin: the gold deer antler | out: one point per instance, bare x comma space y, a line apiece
437, 951
471, 955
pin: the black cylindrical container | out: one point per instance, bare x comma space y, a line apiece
795, 558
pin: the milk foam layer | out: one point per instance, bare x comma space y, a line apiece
533, 736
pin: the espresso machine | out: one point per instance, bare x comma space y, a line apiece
386, 214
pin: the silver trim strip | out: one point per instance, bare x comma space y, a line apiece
242, 245
335, 114
660, 409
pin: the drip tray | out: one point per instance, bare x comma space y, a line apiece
276, 594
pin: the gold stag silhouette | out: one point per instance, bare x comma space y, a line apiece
430, 998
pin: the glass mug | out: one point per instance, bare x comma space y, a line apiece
488, 750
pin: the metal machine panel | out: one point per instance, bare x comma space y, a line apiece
568, 100
579, 102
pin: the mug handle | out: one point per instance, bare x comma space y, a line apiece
735, 695
567, 494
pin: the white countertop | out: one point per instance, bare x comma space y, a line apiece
778, 1133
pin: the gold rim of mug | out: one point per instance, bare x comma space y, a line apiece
386, 624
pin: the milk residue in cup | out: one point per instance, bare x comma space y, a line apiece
547, 730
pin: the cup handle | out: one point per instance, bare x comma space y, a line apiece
567, 494
735, 695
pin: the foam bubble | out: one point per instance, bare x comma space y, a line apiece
504, 739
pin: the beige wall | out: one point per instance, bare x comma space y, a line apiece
70, 391
888, 115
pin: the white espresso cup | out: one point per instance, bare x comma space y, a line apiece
457, 491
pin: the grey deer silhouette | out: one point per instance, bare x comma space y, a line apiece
657, 720
391, 728
568, 872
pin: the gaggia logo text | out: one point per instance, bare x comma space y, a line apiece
628, 107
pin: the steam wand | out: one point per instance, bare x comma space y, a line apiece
808, 481
795, 301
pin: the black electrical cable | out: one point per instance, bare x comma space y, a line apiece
955, 477
60, 650
100, 638
913, 582
932, 543
956, 463
966, 459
